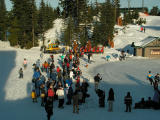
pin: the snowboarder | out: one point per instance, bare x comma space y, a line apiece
97, 79
110, 100
128, 102
150, 77
49, 108
20, 73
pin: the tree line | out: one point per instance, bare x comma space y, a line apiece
84, 21
25, 23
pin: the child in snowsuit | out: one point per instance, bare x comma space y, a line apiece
20, 73
33, 95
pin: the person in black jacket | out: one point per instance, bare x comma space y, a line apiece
128, 102
49, 108
110, 100
101, 95
97, 79
84, 89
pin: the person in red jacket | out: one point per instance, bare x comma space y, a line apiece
51, 93
58, 69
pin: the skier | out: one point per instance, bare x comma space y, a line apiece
150, 77
128, 102
20, 73
110, 100
49, 108
97, 79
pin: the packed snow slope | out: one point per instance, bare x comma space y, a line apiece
124, 76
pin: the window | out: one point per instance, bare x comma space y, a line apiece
155, 52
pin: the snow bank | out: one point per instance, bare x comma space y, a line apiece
4, 44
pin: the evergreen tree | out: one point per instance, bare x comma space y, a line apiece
3, 20
154, 11
103, 31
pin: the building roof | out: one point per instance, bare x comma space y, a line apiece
145, 41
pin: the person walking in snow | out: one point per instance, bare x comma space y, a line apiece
51, 93
110, 100
128, 102
60, 93
101, 95
75, 102
25, 63
34, 96
43, 95
157, 78
69, 93
97, 79
150, 77
49, 108
20, 73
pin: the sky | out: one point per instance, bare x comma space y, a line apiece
124, 3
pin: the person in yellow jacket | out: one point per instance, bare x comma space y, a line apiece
33, 95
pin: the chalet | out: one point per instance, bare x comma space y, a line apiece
149, 47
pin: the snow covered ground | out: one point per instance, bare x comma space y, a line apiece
122, 76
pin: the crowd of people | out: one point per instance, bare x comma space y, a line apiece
62, 83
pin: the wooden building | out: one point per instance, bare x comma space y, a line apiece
149, 47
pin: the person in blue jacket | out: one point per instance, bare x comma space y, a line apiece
36, 74
150, 77
69, 81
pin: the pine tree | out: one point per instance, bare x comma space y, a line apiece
3, 20
103, 31
154, 11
